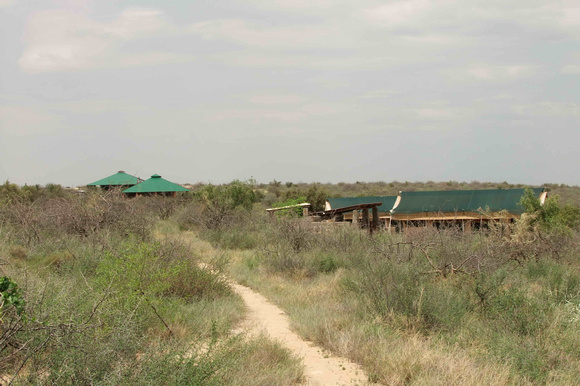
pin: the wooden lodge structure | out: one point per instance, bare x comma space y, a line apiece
119, 180
155, 186
359, 215
465, 208
352, 209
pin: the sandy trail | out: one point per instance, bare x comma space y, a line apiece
320, 369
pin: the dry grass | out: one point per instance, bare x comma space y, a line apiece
319, 312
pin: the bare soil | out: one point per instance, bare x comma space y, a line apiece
321, 368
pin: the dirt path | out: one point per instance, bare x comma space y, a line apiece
320, 369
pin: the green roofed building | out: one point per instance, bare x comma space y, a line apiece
466, 206
342, 202
120, 180
367, 212
155, 186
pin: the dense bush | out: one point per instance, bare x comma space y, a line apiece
221, 203
84, 216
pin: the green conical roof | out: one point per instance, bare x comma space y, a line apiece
118, 179
155, 184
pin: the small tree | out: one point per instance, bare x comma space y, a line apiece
316, 196
290, 212
552, 217
221, 201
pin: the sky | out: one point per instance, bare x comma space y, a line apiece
290, 90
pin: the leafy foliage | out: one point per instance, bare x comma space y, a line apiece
291, 212
316, 196
10, 192
10, 295
220, 202
552, 216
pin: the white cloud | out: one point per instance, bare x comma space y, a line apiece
399, 12
280, 38
277, 99
571, 69
23, 121
272, 115
380, 94
441, 110
459, 18
252, 117
435, 114
64, 40
136, 22
152, 58
6, 3
298, 5
277, 60
549, 109
494, 73
568, 16
85, 5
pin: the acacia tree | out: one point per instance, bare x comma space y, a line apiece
220, 202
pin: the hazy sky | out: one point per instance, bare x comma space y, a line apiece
293, 90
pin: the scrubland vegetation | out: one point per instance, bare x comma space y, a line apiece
93, 294
113, 291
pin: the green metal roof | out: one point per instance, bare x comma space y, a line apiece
155, 184
341, 202
118, 179
453, 201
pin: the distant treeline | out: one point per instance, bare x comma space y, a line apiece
315, 192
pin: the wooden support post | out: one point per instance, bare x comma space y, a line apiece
355, 217
375, 225
467, 226
365, 218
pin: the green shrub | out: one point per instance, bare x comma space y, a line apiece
388, 287
191, 282
561, 284
222, 201
10, 297
443, 306
552, 216
326, 262
233, 361
517, 312
290, 212
282, 260
153, 269
316, 196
